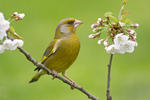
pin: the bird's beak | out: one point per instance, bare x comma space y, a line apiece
77, 23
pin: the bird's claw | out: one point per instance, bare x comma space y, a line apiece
37, 69
55, 74
73, 84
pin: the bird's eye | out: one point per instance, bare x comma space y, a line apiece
70, 22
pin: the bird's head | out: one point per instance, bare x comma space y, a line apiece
67, 27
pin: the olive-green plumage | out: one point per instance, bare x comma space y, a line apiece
63, 50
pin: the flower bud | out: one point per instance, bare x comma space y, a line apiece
99, 21
106, 43
94, 35
14, 14
96, 29
91, 36
135, 25
122, 24
100, 41
131, 32
94, 25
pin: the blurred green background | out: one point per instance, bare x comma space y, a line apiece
130, 72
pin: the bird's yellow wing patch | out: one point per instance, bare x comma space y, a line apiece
52, 48
43, 59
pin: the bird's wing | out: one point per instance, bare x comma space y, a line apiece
52, 48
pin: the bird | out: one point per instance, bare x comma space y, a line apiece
62, 50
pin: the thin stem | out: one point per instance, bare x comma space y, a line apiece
122, 10
31, 59
109, 97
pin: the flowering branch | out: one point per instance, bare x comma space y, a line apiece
49, 72
109, 97
10, 40
118, 36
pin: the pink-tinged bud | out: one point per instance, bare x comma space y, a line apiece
14, 14
94, 35
100, 41
106, 43
133, 36
18, 16
91, 36
21, 16
135, 25
94, 25
131, 32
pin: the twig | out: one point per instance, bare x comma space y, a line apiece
122, 10
31, 59
109, 97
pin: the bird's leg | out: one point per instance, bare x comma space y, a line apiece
55, 74
72, 82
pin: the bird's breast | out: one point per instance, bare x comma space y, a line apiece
65, 55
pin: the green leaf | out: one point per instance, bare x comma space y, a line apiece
13, 33
127, 21
110, 15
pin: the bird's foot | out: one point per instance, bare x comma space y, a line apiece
55, 74
37, 69
73, 84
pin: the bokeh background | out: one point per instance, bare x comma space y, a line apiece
130, 72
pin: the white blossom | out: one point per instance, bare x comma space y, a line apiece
4, 26
12, 44
120, 39
8, 44
1, 49
18, 42
132, 43
121, 45
2, 34
128, 47
120, 50
111, 49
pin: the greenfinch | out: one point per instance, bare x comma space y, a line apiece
62, 51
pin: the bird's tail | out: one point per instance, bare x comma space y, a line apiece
36, 76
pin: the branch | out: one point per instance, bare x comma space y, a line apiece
109, 97
31, 59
